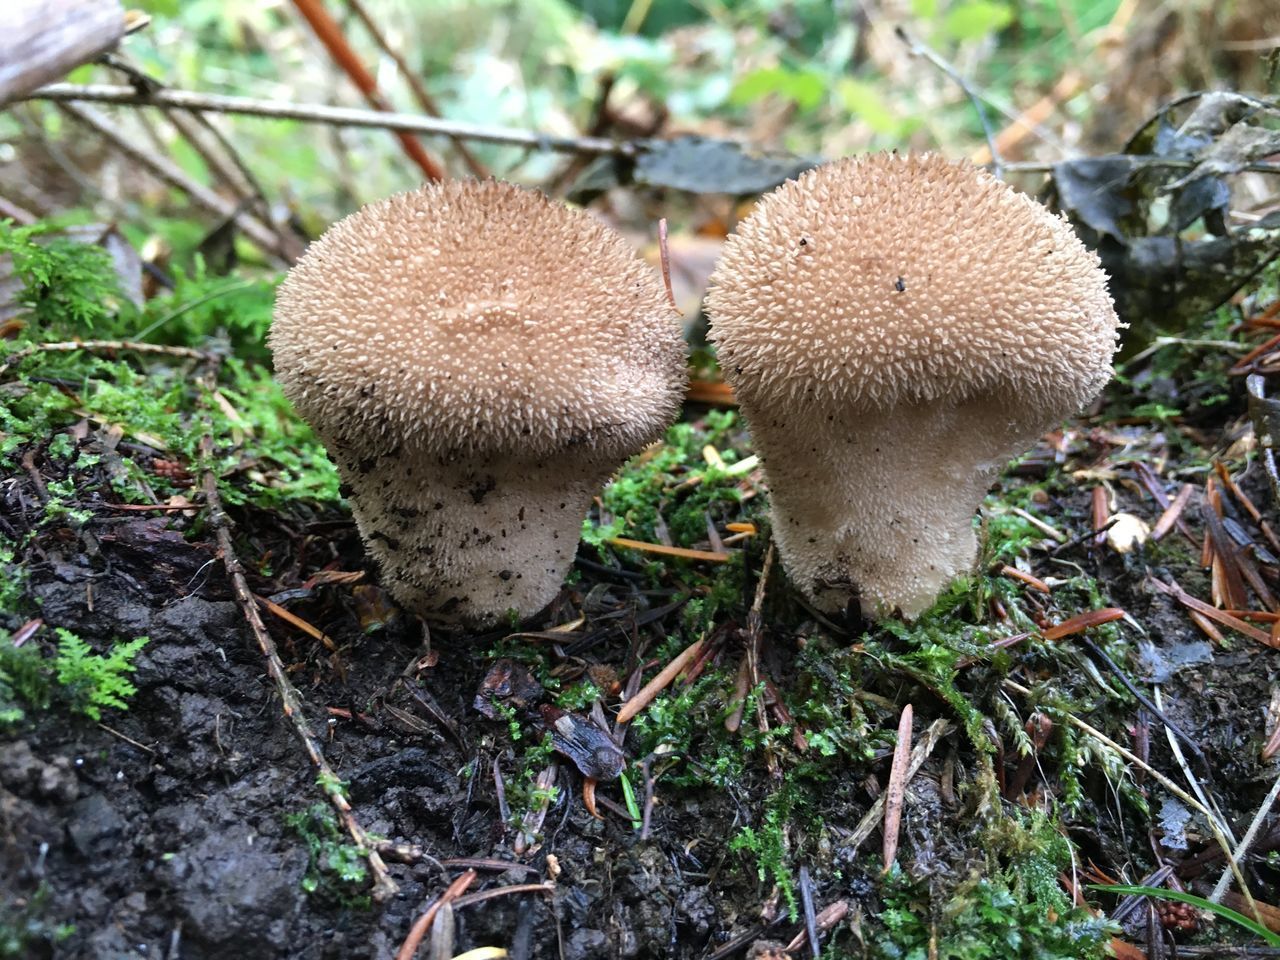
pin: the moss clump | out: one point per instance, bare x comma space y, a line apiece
336, 868
986, 918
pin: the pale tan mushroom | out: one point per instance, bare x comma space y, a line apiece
478, 360
897, 327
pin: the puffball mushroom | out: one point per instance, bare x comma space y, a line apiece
478, 360
896, 328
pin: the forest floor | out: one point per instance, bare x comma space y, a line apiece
740, 811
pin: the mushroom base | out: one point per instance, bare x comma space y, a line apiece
877, 507
472, 542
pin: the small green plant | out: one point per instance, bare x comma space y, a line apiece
985, 918
768, 842
336, 868
91, 681
23, 924
85, 681
63, 281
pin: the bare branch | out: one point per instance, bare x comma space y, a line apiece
339, 116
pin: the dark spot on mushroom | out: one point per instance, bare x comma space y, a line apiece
900, 285
504, 574
389, 541
481, 489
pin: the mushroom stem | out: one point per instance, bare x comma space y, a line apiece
894, 524
474, 538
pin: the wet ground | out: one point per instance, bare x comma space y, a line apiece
166, 830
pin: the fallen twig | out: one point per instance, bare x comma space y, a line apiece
896, 791
68, 346
423, 923
937, 730
414, 82
383, 886
655, 686
338, 116
330, 35
172, 174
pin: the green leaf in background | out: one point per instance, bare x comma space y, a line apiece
163, 8
969, 21
804, 88
1226, 913
866, 103
924, 8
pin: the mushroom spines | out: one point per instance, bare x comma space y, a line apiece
477, 359
895, 329
887, 277
499, 317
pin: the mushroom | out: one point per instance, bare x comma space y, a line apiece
478, 360
896, 328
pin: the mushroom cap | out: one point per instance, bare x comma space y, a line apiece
886, 278
478, 318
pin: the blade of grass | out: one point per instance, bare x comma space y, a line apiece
1226, 913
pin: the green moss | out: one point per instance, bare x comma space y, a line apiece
66, 285
24, 923
674, 482
336, 867
996, 917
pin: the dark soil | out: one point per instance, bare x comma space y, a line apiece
162, 832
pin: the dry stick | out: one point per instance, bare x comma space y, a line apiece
1250, 835
1138, 164
425, 100
937, 730
712, 556
329, 33
896, 792
495, 892
423, 923
810, 915
137, 346
21, 215
655, 686
754, 637
1165, 782
1030, 120
235, 172
338, 116
168, 171
918, 49
383, 887
664, 253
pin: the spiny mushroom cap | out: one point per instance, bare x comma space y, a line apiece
888, 278
478, 318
